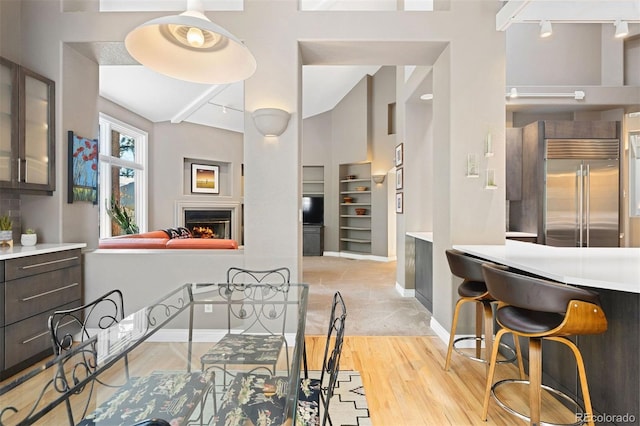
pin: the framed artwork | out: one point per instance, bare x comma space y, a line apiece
399, 202
399, 178
82, 167
205, 179
399, 154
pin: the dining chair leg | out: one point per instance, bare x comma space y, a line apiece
452, 336
491, 372
535, 380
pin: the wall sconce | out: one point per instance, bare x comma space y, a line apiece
378, 178
271, 121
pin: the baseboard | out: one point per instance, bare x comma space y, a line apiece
405, 292
357, 256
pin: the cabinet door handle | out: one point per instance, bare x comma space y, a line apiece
35, 296
51, 262
19, 170
24, 342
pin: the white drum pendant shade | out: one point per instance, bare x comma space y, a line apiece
190, 47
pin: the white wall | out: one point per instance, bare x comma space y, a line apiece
470, 83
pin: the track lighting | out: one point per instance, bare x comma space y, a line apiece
545, 28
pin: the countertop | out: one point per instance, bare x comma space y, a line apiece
613, 268
428, 236
22, 251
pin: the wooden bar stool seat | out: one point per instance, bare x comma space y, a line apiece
473, 289
539, 309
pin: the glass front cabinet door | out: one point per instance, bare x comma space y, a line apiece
27, 146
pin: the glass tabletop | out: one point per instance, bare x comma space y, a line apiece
183, 354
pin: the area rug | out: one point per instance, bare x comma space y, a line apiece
348, 407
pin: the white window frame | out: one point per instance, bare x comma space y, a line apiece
107, 124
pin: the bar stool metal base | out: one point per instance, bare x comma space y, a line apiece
561, 395
510, 359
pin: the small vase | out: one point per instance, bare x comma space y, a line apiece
28, 239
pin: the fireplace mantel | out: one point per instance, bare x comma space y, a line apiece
233, 206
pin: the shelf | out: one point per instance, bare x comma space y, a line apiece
363, 216
313, 182
355, 240
355, 180
312, 193
355, 204
354, 228
355, 192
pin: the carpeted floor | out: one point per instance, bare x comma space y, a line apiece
374, 307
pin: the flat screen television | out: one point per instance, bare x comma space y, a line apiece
313, 210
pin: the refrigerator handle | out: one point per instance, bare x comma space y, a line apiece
586, 202
580, 204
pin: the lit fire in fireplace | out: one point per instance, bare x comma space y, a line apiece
203, 232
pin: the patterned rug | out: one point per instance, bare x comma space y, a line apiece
348, 407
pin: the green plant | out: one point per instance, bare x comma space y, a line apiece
30, 231
5, 223
122, 217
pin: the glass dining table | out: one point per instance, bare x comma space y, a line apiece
205, 353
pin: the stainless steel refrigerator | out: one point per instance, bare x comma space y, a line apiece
581, 192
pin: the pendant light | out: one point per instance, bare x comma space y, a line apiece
192, 48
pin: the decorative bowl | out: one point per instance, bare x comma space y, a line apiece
348, 200
360, 211
361, 188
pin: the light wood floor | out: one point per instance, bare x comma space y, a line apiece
406, 384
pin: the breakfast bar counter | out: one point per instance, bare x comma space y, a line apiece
611, 358
611, 268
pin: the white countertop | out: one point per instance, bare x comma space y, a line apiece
428, 236
21, 251
608, 268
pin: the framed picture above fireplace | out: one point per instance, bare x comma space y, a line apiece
205, 179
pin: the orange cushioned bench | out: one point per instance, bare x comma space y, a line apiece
161, 240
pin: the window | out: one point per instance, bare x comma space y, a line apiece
123, 176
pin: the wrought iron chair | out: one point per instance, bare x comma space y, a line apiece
263, 312
264, 395
100, 314
315, 394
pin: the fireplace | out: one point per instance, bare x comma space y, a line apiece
208, 223
224, 216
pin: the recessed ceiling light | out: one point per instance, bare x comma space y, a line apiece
426, 96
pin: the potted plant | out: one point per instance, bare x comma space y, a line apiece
29, 238
6, 234
122, 217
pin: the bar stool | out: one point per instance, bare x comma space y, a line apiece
474, 289
538, 309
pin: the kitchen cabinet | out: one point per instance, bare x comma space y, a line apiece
33, 287
424, 273
27, 132
355, 208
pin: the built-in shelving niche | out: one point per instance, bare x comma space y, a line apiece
355, 229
